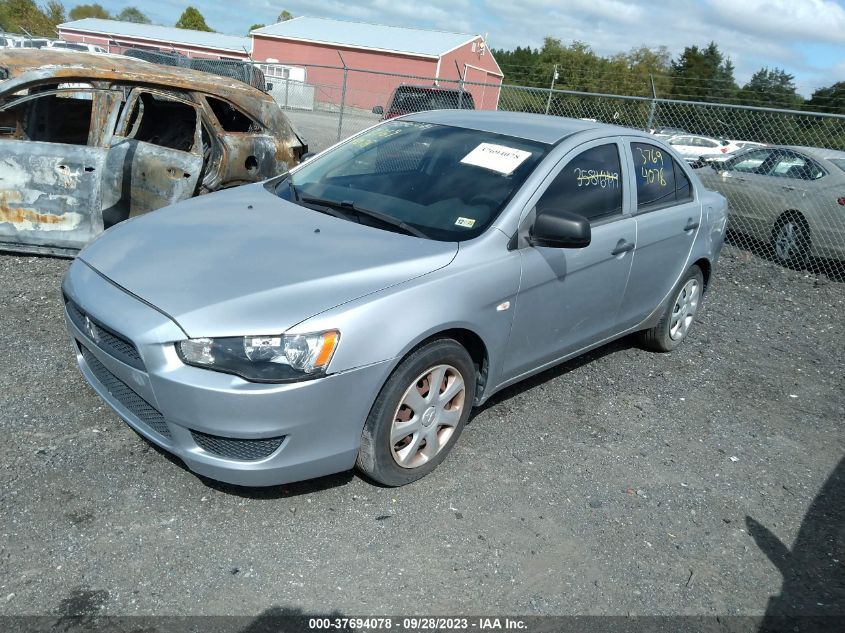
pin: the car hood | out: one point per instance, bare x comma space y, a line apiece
243, 261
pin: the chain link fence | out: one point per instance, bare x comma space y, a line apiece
782, 171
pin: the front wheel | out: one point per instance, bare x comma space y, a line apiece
679, 315
419, 414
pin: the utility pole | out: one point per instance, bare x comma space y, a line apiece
551, 88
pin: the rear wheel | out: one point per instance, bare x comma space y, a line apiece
791, 241
679, 315
419, 414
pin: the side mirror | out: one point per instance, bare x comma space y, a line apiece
306, 156
560, 229
378, 110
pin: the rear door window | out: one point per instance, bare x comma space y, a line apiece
164, 121
661, 181
792, 165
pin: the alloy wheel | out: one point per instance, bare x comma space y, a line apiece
684, 310
427, 416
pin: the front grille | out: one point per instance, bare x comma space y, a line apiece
121, 392
106, 339
243, 450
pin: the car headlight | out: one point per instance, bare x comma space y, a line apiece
282, 358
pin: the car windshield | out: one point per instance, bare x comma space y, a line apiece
446, 183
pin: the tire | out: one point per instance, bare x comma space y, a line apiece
679, 315
408, 432
791, 241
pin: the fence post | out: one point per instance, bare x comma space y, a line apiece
287, 91
551, 88
342, 98
653, 105
460, 86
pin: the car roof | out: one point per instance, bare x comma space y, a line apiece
533, 127
401, 87
26, 67
82, 65
691, 135
819, 153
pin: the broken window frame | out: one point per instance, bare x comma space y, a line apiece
97, 134
121, 130
255, 126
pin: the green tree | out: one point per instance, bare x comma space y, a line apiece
644, 64
830, 99
519, 65
19, 15
82, 11
284, 16
133, 14
773, 88
254, 27
192, 19
703, 74
55, 12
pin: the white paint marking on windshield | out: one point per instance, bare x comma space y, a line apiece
497, 158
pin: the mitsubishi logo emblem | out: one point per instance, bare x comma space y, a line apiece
92, 330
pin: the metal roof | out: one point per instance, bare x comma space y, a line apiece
396, 39
167, 34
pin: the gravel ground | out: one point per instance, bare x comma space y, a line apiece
619, 483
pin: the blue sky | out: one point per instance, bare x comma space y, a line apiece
804, 37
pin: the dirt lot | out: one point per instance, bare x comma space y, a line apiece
626, 482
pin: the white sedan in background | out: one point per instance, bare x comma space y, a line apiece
693, 147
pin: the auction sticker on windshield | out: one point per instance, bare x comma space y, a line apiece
496, 157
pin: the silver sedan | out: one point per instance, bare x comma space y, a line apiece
353, 311
788, 197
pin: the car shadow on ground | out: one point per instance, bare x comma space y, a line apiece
619, 345
832, 269
813, 590
292, 620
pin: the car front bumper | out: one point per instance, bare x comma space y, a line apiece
219, 425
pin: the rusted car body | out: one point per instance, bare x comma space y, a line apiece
89, 140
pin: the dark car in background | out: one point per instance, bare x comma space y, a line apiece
408, 99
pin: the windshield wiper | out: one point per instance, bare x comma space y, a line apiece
346, 205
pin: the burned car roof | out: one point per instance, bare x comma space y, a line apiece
27, 66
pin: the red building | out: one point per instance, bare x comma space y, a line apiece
395, 55
116, 37
309, 47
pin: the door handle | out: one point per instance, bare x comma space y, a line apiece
622, 246
788, 188
691, 225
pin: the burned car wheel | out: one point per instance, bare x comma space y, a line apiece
419, 414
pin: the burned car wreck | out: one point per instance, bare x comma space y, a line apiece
88, 140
